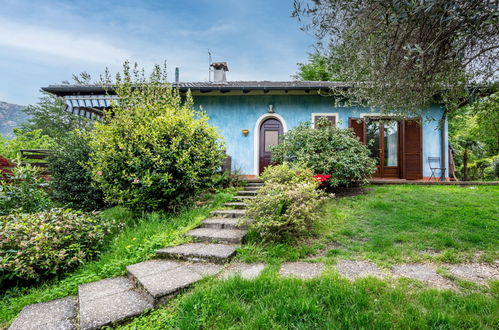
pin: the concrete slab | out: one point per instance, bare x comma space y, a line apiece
57, 314
218, 253
246, 193
205, 269
353, 269
244, 198
109, 301
303, 270
236, 205
149, 267
476, 272
422, 272
246, 271
220, 223
229, 213
230, 236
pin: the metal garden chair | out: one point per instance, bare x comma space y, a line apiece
435, 165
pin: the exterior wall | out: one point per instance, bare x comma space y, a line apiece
232, 114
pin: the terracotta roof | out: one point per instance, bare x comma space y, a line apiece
206, 86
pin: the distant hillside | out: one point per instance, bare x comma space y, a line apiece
11, 116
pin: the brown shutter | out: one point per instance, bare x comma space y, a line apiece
359, 127
413, 149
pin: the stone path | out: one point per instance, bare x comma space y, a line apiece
152, 282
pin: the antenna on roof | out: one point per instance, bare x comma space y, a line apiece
209, 66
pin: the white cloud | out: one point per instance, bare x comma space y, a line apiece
59, 43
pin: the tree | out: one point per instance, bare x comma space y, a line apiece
317, 69
50, 117
400, 55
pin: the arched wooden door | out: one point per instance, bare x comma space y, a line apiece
270, 130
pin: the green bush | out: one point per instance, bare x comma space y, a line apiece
71, 179
326, 150
285, 207
22, 190
155, 151
9, 148
36, 245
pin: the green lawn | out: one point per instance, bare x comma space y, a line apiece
139, 240
394, 224
329, 302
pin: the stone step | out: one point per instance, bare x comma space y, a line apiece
252, 188
229, 236
222, 223
254, 184
236, 205
55, 314
243, 198
161, 280
216, 253
249, 181
109, 301
228, 213
246, 193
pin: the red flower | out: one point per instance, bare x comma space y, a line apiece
322, 178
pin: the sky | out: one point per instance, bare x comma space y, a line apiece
45, 42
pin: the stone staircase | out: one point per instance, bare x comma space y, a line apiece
149, 283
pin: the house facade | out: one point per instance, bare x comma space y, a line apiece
252, 115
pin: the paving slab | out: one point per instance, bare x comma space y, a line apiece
246, 193
353, 269
218, 253
252, 188
230, 236
246, 271
303, 270
236, 205
244, 198
109, 301
476, 272
422, 272
221, 223
57, 314
254, 184
229, 213
160, 285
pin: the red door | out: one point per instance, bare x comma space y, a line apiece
270, 130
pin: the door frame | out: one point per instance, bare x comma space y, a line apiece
256, 138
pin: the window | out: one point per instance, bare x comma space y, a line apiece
332, 117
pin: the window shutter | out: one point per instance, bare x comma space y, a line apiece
413, 149
359, 127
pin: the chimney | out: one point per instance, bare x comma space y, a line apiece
220, 68
177, 75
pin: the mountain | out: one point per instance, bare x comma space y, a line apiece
11, 116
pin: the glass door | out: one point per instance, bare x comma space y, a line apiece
382, 137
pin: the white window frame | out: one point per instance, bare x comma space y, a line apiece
330, 114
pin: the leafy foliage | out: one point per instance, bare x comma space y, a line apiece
287, 206
49, 117
400, 54
71, 179
326, 150
9, 148
36, 245
22, 191
154, 150
318, 68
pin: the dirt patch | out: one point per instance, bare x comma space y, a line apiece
350, 192
475, 272
323, 252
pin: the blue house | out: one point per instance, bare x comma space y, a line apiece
251, 115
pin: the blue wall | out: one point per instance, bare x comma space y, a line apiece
232, 114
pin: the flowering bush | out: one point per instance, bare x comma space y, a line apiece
322, 178
5, 167
286, 206
22, 190
327, 150
36, 245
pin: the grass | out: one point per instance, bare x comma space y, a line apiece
395, 224
329, 302
138, 241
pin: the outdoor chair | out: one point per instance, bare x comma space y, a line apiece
435, 165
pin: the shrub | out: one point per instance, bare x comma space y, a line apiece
154, 151
9, 148
285, 207
327, 150
36, 245
22, 189
71, 179
287, 174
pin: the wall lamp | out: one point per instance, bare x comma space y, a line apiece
245, 132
